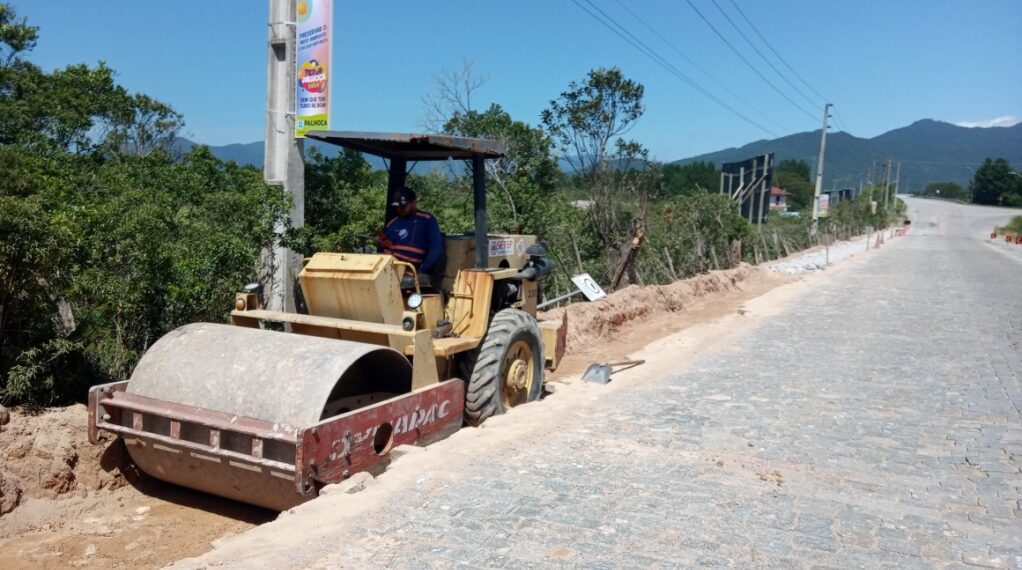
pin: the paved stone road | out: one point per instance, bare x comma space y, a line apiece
875, 423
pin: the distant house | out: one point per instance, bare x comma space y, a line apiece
779, 199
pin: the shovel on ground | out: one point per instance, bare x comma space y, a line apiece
599, 372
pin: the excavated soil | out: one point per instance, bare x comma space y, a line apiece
67, 503
631, 318
46, 454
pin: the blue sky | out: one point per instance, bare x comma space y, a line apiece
884, 64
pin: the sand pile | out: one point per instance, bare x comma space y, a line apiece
589, 323
47, 455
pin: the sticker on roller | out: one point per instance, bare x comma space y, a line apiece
589, 287
499, 247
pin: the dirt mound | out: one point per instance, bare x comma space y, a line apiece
47, 455
589, 323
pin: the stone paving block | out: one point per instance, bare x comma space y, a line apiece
898, 447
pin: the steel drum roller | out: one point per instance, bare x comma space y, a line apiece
280, 377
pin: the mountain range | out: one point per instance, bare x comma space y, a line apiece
929, 151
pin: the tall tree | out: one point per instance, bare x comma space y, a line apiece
587, 117
587, 123
996, 182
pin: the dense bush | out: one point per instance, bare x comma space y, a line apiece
107, 241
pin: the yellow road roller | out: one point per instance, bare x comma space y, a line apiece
274, 405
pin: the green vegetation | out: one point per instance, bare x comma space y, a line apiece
947, 190
793, 176
108, 240
996, 183
1013, 227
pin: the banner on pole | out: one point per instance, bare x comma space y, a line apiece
824, 205
312, 61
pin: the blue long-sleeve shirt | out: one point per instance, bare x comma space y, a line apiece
416, 239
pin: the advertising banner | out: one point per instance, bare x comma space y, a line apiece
312, 62
824, 205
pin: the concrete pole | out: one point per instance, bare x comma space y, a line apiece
283, 162
819, 170
897, 186
887, 184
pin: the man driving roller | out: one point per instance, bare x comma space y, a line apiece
413, 236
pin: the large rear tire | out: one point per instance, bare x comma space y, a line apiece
507, 368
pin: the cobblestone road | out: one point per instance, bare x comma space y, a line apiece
874, 423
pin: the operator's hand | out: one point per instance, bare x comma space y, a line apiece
383, 242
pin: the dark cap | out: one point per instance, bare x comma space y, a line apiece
403, 196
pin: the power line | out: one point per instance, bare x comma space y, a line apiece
635, 42
768, 62
667, 65
793, 72
747, 62
697, 66
837, 116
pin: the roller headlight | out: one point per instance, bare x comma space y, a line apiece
414, 301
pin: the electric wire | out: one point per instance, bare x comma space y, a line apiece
638, 44
771, 48
840, 120
747, 62
697, 66
764, 57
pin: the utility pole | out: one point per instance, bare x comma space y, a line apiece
887, 182
897, 186
283, 160
883, 180
819, 170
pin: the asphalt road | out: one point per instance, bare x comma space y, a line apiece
866, 417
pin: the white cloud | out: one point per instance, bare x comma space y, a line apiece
1002, 121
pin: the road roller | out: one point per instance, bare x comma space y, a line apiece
268, 408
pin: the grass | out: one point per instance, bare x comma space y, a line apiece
1014, 227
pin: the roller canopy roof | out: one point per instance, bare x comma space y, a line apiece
411, 146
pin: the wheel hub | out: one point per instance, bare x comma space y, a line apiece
518, 374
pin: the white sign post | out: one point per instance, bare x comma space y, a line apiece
586, 285
590, 288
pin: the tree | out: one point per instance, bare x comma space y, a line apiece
16, 35
793, 176
452, 94
344, 203
525, 175
996, 183
586, 123
694, 177
588, 116
106, 241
